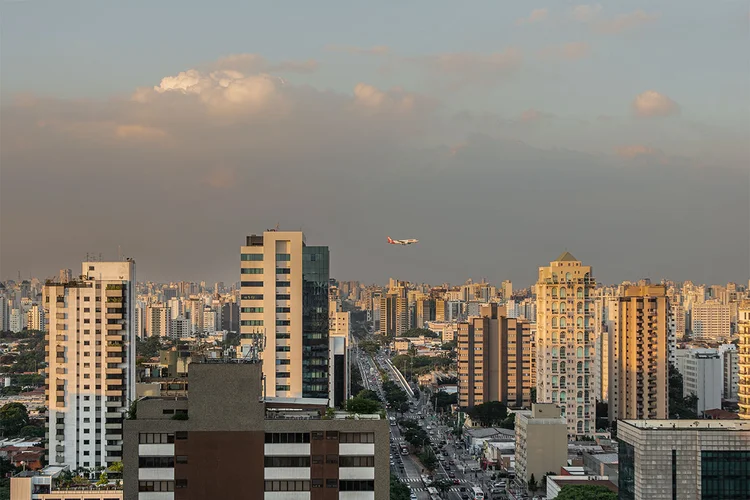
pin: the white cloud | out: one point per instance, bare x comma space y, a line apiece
586, 13
537, 15
571, 51
651, 103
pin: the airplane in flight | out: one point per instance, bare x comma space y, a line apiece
402, 242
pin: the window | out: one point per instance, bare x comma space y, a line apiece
332, 459
252, 256
251, 283
181, 459
317, 483
287, 437
251, 322
350, 485
350, 461
317, 459
563, 292
283, 296
282, 348
317, 435
156, 462
181, 435
283, 309
251, 309
332, 483
155, 485
724, 475
283, 361
283, 284
287, 485
284, 257
332, 435
287, 461
283, 388
155, 438
357, 437
283, 270
180, 483
251, 270
251, 296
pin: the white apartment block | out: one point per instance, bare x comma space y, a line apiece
701, 371
158, 322
35, 318
711, 321
90, 363
17, 320
730, 368
566, 352
180, 328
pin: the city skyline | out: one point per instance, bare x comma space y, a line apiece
500, 143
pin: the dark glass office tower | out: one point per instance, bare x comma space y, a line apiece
315, 272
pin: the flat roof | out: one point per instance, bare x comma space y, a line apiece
684, 424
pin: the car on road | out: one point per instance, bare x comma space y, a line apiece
464, 496
456, 481
451, 462
451, 475
412, 496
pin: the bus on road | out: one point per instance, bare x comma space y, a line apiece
476, 493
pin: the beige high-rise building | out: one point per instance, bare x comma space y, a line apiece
494, 359
711, 321
394, 313
638, 384
91, 362
440, 308
565, 341
158, 321
743, 323
284, 300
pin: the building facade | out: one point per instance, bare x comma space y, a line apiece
494, 359
541, 441
684, 459
639, 350
91, 363
711, 321
158, 321
743, 326
701, 372
233, 444
284, 300
565, 341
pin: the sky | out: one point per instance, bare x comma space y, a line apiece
497, 133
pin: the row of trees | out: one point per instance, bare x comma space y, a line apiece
15, 422
30, 355
492, 414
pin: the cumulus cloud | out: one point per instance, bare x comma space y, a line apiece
624, 22
652, 103
373, 98
376, 50
536, 16
571, 51
586, 13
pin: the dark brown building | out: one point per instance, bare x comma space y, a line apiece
234, 445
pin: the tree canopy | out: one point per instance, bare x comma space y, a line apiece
368, 394
444, 400
13, 418
680, 406
489, 414
420, 332
586, 492
362, 405
399, 491
148, 348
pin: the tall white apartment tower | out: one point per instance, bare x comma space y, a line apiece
91, 362
565, 341
284, 298
743, 323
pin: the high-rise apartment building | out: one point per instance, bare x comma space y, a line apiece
494, 359
237, 444
394, 313
565, 341
91, 362
683, 459
639, 375
711, 321
743, 324
676, 328
701, 372
730, 368
158, 321
425, 311
284, 298
35, 318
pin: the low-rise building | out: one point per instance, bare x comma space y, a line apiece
226, 425
53, 483
684, 459
541, 441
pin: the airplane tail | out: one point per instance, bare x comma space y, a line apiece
390, 240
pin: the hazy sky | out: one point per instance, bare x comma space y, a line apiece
499, 133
